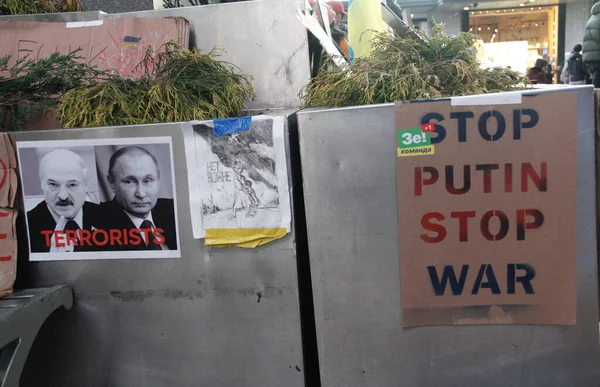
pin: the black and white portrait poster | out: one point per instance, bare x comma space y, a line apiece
237, 175
100, 199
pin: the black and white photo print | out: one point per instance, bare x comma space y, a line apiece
99, 199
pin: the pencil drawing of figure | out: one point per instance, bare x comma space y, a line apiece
244, 196
247, 196
254, 202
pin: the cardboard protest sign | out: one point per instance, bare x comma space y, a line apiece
487, 211
8, 175
8, 250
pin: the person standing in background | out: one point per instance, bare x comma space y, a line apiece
537, 74
550, 71
591, 45
576, 67
339, 35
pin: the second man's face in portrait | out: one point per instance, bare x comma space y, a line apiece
136, 183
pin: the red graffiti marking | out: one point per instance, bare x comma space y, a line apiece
6, 258
130, 61
4, 173
4, 236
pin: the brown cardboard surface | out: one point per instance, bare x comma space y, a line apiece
549, 249
8, 190
8, 175
8, 250
115, 45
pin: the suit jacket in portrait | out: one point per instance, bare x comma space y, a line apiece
163, 215
40, 219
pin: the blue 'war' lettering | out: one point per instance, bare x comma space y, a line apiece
457, 284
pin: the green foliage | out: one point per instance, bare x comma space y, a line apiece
27, 7
179, 85
30, 86
403, 69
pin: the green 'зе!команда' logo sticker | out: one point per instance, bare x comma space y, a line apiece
414, 142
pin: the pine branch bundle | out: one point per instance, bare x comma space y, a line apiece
28, 7
179, 85
403, 69
30, 86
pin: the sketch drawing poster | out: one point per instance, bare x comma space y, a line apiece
99, 198
238, 176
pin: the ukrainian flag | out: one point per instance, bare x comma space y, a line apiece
363, 15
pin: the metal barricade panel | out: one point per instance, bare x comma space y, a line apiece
214, 317
349, 172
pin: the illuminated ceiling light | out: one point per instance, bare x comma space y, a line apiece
487, 11
521, 5
539, 7
488, 28
537, 25
470, 29
496, 30
512, 10
466, 8
532, 8
478, 28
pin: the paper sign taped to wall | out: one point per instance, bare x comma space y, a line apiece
487, 222
110, 198
239, 193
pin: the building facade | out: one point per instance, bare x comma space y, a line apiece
514, 33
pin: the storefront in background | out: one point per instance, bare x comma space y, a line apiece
516, 37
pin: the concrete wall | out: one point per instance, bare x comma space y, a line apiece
577, 16
450, 19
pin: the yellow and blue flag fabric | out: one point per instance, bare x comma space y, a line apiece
363, 15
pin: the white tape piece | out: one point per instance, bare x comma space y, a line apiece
93, 23
509, 98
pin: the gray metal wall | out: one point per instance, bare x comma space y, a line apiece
263, 38
192, 321
349, 174
115, 6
